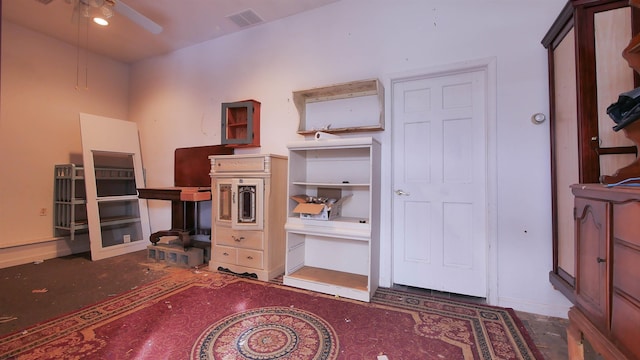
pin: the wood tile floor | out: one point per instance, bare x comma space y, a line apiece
549, 334
72, 282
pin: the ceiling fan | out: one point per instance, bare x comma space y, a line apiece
106, 8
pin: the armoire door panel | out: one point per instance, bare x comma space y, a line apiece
565, 154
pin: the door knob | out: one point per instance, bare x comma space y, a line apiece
402, 192
600, 260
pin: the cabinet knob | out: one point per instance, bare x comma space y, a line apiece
600, 260
250, 257
225, 254
236, 239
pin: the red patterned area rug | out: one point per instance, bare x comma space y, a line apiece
202, 315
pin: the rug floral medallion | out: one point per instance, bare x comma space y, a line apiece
268, 333
204, 315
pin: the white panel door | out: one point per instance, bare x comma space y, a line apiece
440, 178
118, 220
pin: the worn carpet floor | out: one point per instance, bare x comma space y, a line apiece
204, 315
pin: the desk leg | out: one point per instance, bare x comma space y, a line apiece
184, 236
182, 220
178, 215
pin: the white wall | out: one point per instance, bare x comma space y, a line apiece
39, 127
176, 101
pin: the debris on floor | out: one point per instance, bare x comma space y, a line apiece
6, 319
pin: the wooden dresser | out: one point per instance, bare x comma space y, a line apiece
248, 214
607, 291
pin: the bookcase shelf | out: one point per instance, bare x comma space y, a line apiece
339, 256
352, 106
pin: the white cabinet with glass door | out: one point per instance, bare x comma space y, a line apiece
248, 214
240, 203
118, 221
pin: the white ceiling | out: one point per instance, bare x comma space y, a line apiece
184, 23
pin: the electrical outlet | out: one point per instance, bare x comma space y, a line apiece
127, 238
43, 212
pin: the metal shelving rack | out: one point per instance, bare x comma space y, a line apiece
69, 209
70, 215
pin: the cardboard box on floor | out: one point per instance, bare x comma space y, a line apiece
313, 211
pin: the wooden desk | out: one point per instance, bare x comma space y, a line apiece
192, 185
184, 210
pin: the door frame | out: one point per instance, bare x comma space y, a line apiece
488, 66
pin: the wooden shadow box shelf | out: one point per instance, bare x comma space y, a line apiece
241, 124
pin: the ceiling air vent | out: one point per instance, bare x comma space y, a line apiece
246, 18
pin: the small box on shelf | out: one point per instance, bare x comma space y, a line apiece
327, 205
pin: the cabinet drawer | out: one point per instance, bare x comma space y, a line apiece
232, 164
625, 222
250, 258
224, 254
243, 239
625, 318
626, 276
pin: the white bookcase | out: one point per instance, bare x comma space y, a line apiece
338, 256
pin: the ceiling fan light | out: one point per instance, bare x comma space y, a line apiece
106, 11
100, 21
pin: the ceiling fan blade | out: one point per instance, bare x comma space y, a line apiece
137, 18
